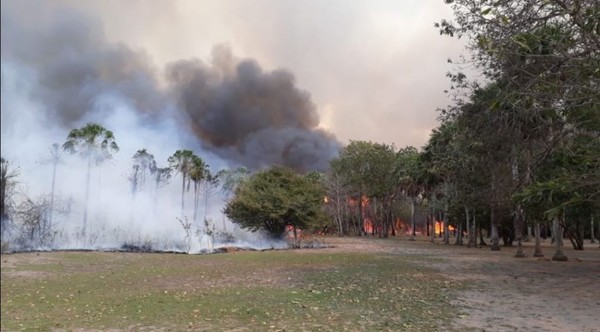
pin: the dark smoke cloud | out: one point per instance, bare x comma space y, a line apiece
238, 111
74, 63
253, 116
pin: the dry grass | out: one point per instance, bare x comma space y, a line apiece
358, 285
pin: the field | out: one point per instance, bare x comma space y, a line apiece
357, 284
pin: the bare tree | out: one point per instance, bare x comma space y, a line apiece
7, 185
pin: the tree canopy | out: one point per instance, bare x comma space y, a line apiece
276, 198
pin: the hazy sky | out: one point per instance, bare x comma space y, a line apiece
374, 69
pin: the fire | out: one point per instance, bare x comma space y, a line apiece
439, 227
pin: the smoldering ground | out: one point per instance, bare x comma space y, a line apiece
62, 72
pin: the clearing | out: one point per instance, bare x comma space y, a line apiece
359, 284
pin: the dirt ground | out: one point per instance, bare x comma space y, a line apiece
502, 293
505, 293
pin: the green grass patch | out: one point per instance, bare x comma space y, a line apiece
275, 290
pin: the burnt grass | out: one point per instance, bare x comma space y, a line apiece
354, 284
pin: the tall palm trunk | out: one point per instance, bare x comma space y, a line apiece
195, 201
87, 197
182, 194
52, 195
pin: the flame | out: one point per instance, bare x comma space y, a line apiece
439, 227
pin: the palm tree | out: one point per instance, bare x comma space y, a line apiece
143, 165
95, 144
198, 173
182, 162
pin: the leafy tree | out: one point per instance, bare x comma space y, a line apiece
367, 171
95, 144
276, 198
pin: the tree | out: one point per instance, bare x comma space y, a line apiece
409, 174
95, 144
231, 179
367, 170
198, 173
143, 166
182, 162
274, 199
7, 183
54, 158
208, 186
545, 55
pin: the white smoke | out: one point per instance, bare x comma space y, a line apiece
115, 218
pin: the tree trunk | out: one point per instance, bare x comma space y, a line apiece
182, 193
481, 239
433, 223
519, 232
361, 220
296, 244
538, 247
446, 227
558, 254
494, 224
52, 196
592, 236
413, 223
86, 198
469, 234
195, 201
459, 239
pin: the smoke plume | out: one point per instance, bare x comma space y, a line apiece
59, 71
75, 66
252, 116
237, 110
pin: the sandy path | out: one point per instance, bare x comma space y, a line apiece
507, 293
521, 294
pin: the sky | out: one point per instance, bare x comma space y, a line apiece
374, 69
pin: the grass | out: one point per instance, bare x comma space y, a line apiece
303, 290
